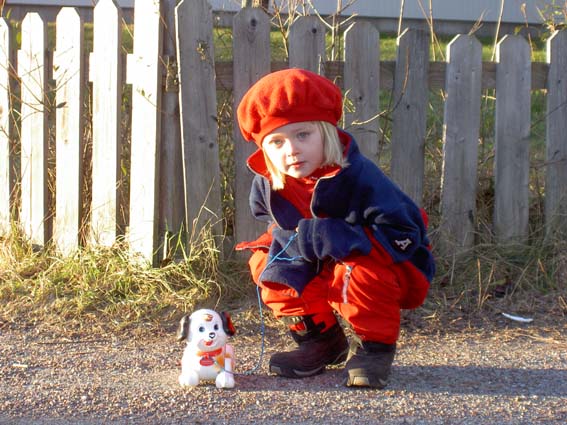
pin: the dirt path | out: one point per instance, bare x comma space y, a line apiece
510, 374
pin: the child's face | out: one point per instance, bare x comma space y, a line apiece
296, 149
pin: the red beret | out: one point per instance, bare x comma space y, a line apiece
284, 97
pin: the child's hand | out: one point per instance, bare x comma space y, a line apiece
286, 265
321, 238
284, 247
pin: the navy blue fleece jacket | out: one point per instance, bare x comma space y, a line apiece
356, 203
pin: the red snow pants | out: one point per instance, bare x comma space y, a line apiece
368, 291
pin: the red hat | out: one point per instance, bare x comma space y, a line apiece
284, 97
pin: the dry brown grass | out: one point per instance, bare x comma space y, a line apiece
104, 287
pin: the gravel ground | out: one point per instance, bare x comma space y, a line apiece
508, 374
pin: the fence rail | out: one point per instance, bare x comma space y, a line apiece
174, 174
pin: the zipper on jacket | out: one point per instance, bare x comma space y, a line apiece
346, 282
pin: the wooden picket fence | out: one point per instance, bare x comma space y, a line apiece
175, 174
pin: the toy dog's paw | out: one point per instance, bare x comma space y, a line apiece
225, 380
188, 380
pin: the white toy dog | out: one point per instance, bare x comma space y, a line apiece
207, 356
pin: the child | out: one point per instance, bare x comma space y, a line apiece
341, 238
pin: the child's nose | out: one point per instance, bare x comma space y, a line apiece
292, 147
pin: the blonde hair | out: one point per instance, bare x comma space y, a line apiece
333, 153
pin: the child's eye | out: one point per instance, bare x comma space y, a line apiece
303, 135
276, 142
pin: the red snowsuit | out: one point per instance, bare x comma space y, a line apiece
362, 252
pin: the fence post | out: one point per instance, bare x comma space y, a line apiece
460, 142
105, 72
35, 197
556, 143
251, 61
7, 160
171, 179
199, 128
362, 86
410, 97
145, 74
307, 44
512, 162
68, 68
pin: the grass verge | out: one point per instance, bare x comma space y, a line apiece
104, 288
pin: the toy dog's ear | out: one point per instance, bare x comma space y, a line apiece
227, 325
183, 330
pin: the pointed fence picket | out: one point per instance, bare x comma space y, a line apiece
35, 218
556, 126
199, 128
251, 61
410, 94
362, 77
307, 45
173, 180
460, 141
6, 128
68, 69
512, 139
144, 72
105, 73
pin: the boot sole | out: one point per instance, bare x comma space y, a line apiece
365, 382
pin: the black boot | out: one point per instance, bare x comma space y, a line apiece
317, 348
369, 364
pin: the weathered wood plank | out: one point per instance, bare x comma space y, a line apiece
171, 193
460, 142
145, 74
512, 129
7, 160
68, 74
362, 86
307, 44
199, 126
556, 142
251, 33
106, 75
436, 76
410, 96
32, 69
